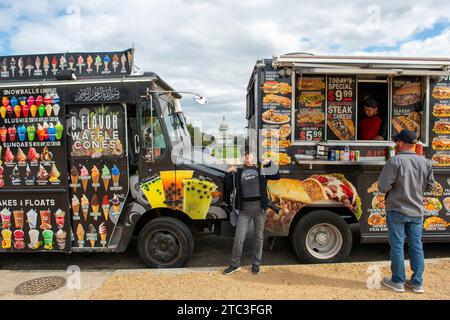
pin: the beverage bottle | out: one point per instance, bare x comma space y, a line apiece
419, 148
346, 153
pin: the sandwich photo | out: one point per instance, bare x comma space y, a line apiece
441, 110
314, 116
379, 202
435, 223
290, 195
441, 93
376, 220
442, 127
343, 129
338, 188
440, 144
311, 99
276, 87
447, 203
310, 84
283, 132
432, 204
440, 160
274, 99
407, 95
271, 87
269, 143
411, 122
272, 117
437, 190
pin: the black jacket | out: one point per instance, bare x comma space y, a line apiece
262, 185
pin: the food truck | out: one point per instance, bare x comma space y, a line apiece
92, 154
309, 115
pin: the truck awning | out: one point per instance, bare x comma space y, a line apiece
394, 66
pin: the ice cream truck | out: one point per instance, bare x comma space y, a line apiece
92, 154
328, 121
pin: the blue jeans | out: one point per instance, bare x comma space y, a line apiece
398, 225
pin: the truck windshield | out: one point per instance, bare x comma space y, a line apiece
175, 123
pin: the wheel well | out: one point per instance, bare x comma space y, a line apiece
344, 212
162, 212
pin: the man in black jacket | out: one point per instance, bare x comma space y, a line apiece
252, 201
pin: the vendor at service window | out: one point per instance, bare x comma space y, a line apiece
370, 126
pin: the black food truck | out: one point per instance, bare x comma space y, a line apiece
92, 154
328, 121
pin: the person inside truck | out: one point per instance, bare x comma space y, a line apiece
371, 125
154, 141
251, 199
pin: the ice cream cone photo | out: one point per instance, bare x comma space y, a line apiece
80, 235
103, 233
95, 174
85, 206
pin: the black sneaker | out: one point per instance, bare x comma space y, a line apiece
231, 270
255, 269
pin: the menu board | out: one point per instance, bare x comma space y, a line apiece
98, 172
34, 222
48, 66
310, 108
32, 150
440, 122
276, 117
436, 204
406, 104
341, 108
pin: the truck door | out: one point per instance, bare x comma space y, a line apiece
153, 147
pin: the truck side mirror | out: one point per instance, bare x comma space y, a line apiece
202, 100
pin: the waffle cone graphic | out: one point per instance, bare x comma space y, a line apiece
106, 183
116, 180
105, 212
95, 180
84, 182
76, 209
85, 212
74, 182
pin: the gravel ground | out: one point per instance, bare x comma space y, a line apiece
288, 282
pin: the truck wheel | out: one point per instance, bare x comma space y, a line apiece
165, 243
322, 237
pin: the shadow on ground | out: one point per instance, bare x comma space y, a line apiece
210, 251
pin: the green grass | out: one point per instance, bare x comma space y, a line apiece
227, 152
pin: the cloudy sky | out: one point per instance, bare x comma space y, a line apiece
212, 46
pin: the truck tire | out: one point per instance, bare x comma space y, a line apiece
322, 237
165, 242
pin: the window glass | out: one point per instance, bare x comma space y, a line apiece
154, 142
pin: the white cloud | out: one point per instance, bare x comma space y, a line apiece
211, 46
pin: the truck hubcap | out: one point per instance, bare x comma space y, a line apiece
324, 241
164, 246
